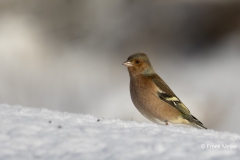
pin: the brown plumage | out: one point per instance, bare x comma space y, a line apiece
152, 96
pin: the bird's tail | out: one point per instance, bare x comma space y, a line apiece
197, 123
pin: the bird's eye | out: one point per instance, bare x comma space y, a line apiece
137, 61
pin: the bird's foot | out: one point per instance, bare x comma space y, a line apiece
166, 122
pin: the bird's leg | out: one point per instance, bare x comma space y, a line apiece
166, 122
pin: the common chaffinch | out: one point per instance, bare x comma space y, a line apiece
152, 96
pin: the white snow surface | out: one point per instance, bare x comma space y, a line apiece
33, 133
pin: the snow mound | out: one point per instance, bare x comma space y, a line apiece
33, 133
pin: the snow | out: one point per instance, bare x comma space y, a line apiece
38, 133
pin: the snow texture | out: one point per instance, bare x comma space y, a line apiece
33, 133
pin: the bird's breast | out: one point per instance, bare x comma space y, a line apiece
142, 94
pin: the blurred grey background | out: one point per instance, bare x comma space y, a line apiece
66, 55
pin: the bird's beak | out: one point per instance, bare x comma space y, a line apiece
128, 64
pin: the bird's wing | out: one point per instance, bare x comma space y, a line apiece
167, 95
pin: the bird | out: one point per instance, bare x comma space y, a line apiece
153, 98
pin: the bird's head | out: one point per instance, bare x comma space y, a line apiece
139, 63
